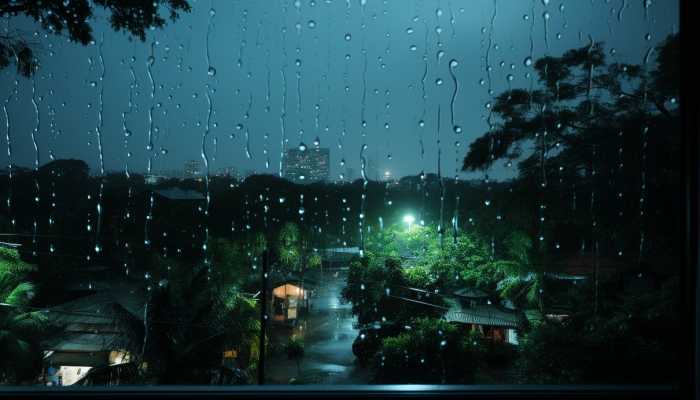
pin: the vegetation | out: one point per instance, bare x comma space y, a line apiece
21, 329
74, 18
579, 120
431, 351
189, 323
295, 352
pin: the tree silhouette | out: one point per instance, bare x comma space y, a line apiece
592, 139
73, 18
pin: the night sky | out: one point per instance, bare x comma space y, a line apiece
255, 45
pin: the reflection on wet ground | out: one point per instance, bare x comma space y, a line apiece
328, 335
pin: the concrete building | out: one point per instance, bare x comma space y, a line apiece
192, 169
306, 166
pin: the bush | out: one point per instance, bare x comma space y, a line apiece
432, 351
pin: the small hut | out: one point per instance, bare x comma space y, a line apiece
290, 298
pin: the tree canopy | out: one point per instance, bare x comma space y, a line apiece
74, 18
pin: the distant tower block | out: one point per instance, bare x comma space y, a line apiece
306, 166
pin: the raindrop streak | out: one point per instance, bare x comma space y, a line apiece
452, 20
125, 127
283, 113
589, 90
488, 48
456, 128
9, 156
364, 131
441, 227
644, 132
149, 71
149, 145
35, 131
247, 131
205, 158
545, 19
98, 131
424, 96
620, 11
528, 60
211, 71
267, 110
488, 77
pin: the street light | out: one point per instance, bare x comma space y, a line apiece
409, 220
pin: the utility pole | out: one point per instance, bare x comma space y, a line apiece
263, 316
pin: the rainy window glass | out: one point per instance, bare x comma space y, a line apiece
209, 192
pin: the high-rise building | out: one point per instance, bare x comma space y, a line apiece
307, 165
192, 169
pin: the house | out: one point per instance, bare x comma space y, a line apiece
95, 331
289, 298
472, 308
338, 257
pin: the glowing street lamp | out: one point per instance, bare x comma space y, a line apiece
409, 220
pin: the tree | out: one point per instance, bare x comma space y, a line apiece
295, 351
20, 330
586, 128
74, 18
518, 274
231, 262
190, 322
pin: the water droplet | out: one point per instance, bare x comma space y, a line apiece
527, 61
348, 37
211, 71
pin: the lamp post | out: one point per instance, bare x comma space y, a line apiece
409, 220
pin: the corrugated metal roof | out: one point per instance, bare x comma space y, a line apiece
471, 293
87, 342
488, 315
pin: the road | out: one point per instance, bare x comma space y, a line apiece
328, 335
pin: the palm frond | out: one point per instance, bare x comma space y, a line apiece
20, 295
11, 262
29, 324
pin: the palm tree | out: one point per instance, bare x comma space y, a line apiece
521, 276
191, 323
20, 330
